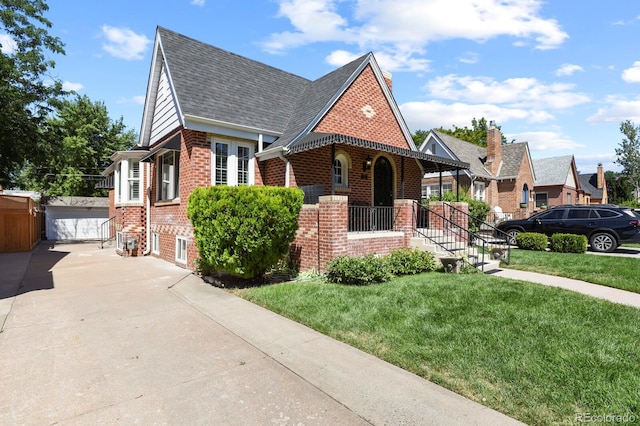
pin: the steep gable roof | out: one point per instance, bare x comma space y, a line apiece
464, 151
589, 182
512, 157
553, 170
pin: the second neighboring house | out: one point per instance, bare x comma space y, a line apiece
212, 117
557, 181
501, 175
593, 187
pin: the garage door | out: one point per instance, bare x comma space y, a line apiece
68, 223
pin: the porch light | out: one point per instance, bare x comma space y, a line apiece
366, 164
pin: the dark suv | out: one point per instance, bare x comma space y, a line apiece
605, 226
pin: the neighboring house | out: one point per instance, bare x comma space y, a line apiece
501, 175
557, 181
75, 218
594, 187
212, 117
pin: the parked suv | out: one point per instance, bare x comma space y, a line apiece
606, 226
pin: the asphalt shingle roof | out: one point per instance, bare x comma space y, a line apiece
553, 170
589, 183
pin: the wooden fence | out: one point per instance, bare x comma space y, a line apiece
20, 223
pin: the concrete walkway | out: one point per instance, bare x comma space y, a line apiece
92, 338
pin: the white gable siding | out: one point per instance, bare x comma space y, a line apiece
165, 117
571, 182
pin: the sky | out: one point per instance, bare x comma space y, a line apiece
561, 75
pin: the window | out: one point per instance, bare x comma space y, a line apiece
181, 249
581, 214
569, 198
155, 243
541, 200
168, 176
341, 171
553, 214
127, 177
119, 241
434, 189
525, 194
433, 148
479, 191
233, 163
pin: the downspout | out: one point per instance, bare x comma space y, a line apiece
147, 248
333, 159
287, 168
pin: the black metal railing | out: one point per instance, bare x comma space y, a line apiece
372, 218
469, 244
107, 231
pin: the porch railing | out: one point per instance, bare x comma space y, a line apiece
372, 218
470, 244
107, 231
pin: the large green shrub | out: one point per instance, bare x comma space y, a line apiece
244, 230
408, 261
568, 243
532, 241
365, 270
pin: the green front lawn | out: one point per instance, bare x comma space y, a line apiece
539, 354
611, 271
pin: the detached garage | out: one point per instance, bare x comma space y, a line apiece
75, 218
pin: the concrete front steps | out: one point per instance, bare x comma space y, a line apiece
450, 253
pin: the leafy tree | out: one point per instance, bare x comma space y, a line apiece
76, 147
477, 134
27, 92
619, 188
629, 153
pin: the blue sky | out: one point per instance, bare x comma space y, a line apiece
561, 75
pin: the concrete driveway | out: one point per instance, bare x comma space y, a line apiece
93, 338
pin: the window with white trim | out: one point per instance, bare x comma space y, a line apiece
181, 249
168, 176
434, 189
341, 171
232, 162
155, 243
127, 177
479, 192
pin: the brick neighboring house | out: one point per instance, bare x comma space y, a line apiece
593, 187
557, 181
501, 175
212, 117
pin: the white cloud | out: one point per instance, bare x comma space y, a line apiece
138, 99
67, 85
403, 28
469, 58
427, 115
616, 111
339, 58
198, 2
515, 92
632, 75
133, 100
124, 43
8, 45
546, 141
568, 69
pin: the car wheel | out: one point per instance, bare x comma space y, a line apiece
603, 242
512, 234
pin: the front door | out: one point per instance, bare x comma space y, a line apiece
382, 183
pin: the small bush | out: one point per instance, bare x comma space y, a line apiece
568, 243
532, 241
358, 270
408, 261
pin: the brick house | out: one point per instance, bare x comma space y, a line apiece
501, 175
212, 117
593, 187
557, 181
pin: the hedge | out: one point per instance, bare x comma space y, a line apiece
243, 230
568, 243
532, 241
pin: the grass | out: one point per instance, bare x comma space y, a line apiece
616, 272
538, 354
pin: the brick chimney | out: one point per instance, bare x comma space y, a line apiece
494, 148
387, 79
600, 177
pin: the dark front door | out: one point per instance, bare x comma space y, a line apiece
382, 183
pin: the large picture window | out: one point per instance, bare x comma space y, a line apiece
168, 176
541, 200
233, 163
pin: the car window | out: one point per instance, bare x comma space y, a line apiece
607, 213
552, 214
580, 214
